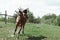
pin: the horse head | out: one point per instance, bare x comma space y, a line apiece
25, 12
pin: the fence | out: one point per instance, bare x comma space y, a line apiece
5, 16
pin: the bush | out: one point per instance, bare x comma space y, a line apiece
2, 19
49, 19
57, 21
11, 20
37, 20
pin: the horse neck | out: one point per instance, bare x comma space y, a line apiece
23, 16
26, 16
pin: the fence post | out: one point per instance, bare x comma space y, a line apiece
5, 16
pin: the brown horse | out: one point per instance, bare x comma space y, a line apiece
21, 20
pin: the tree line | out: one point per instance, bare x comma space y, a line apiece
47, 19
51, 19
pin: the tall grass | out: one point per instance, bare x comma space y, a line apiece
32, 32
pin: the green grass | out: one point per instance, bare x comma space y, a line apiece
32, 32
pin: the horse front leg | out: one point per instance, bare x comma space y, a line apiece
15, 30
19, 30
23, 30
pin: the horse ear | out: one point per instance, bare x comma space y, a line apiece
25, 11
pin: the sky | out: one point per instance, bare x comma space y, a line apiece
38, 7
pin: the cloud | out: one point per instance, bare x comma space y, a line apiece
53, 2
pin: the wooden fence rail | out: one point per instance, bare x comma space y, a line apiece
5, 15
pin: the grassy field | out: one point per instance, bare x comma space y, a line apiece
32, 32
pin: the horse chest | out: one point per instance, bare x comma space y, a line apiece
22, 20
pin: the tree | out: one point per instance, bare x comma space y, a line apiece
30, 17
